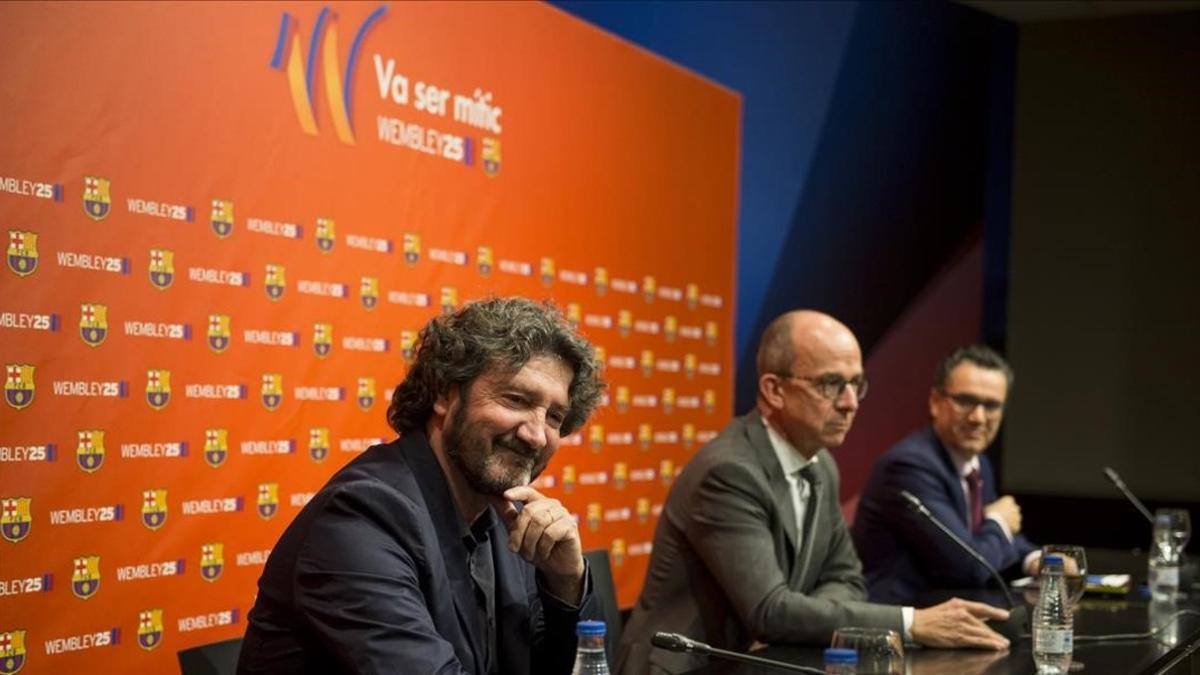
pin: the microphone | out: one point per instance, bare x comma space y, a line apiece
675, 642
1116, 480
1014, 626
917, 505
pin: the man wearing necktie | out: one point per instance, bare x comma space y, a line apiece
944, 465
751, 545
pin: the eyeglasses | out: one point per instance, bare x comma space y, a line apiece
830, 387
967, 403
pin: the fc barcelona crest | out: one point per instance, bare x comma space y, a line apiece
412, 248
649, 288
212, 560
162, 268
216, 446
318, 443
692, 295
408, 344
272, 390
22, 252
18, 384
491, 155
89, 453
218, 332
325, 234
618, 552
154, 508
369, 295
97, 198
547, 268
93, 323
600, 278
449, 299
150, 628
16, 519
596, 437
12, 651
366, 392
594, 513
276, 281
158, 388
484, 260
574, 315
222, 217
647, 361
322, 339
268, 500
620, 475
85, 576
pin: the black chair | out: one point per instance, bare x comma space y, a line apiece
215, 658
606, 594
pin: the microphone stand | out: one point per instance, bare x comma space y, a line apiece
1116, 480
678, 643
917, 505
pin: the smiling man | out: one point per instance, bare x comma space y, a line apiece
751, 545
943, 464
432, 553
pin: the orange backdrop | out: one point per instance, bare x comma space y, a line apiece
224, 226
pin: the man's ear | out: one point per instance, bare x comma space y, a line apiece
935, 397
441, 405
770, 390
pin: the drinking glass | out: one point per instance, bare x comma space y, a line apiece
880, 651
1075, 569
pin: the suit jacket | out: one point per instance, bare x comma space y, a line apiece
905, 556
372, 577
726, 566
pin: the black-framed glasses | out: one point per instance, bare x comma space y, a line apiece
967, 403
830, 387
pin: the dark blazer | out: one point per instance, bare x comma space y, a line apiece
905, 556
372, 577
726, 567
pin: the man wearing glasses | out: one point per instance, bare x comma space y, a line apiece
943, 464
751, 545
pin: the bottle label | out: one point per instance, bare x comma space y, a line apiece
1052, 640
1166, 576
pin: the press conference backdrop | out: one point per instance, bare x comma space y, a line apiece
226, 223
1103, 320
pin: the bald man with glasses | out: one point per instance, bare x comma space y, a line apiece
944, 465
751, 545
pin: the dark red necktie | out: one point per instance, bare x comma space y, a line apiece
975, 496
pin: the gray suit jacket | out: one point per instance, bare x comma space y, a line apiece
726, 568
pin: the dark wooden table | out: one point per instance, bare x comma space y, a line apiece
1176, 651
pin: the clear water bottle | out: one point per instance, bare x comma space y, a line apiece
1053, 629
1166, 555
840, 661
589, 655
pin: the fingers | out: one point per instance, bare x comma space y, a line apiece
538, 527
983, 610
523, 493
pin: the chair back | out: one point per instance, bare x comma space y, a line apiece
606, 594
215, 658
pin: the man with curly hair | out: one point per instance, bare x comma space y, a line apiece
432, 553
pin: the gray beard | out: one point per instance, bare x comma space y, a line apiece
480, 465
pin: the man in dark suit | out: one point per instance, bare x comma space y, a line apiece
751, 545
432, 554
943, 464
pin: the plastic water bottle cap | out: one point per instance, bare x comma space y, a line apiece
589, 628
841, 655
1052, 560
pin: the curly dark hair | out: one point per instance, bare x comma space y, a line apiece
502, 333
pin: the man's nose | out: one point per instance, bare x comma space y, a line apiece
847, 398
534, 431
977, 414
